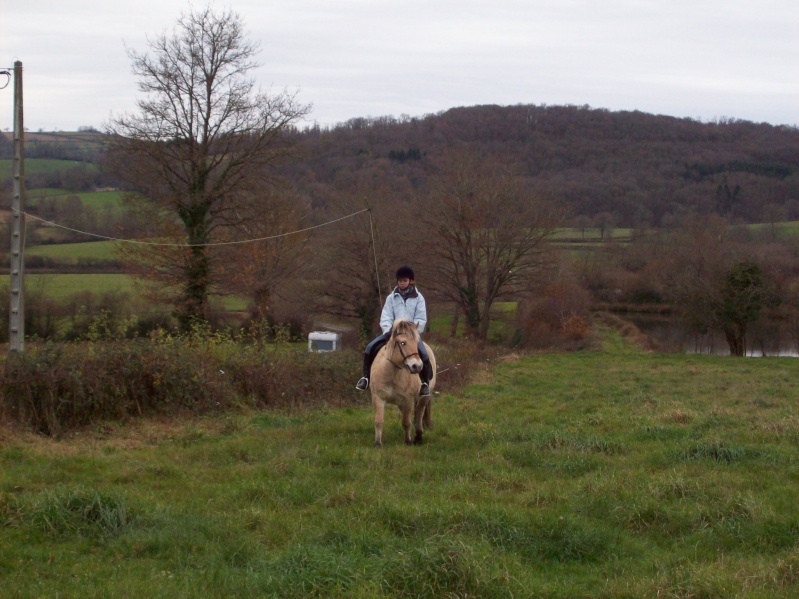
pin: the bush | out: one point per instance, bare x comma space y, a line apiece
557, 318
56, 387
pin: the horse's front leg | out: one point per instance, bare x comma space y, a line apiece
420, 417
406, 421
380, 412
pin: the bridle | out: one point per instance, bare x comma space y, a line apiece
399, 345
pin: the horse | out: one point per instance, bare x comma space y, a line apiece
395, 380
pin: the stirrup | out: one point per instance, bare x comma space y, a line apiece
362, 384
424, 391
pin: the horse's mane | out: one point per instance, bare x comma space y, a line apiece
404, 326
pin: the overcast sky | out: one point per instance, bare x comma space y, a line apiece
703, 59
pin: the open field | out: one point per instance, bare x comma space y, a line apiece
99, 250
599, 474
62, 286
38, 166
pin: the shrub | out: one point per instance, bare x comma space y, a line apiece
557, 318
286, 376
56, 387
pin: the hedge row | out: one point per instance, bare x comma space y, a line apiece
56, 387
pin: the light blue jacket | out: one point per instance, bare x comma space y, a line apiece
413, 308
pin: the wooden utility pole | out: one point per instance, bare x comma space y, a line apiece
16, 328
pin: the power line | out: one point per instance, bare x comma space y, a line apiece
188, 245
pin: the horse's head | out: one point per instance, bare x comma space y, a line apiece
405, 341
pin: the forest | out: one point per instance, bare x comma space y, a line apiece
642, 169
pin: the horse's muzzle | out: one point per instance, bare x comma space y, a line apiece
415, 366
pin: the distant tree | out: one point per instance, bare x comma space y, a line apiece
485, 236
199, 145
727, 198
264, 268
716, 286
604, 223
582, 222
743, 295
773, 215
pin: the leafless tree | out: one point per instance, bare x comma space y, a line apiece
266, 251
199, 147
355, 263
485, 235
717, 284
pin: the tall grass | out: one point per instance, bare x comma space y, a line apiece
610, 473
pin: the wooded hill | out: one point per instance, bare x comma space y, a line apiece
638, 168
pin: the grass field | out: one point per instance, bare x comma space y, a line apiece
100, 250
60, 286
598, 474
37, 166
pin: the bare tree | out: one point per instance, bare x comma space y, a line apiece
604, 223
486, 236
357, 255
263, 268
201, 142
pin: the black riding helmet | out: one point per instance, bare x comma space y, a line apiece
405, 272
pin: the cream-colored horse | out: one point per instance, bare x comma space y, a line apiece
395, 380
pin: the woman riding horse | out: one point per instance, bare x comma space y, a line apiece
407, 303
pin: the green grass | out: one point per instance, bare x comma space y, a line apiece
500, 329
781, 229
605, 474
37, 166
70, 252
61, 286
103, 202
591, 234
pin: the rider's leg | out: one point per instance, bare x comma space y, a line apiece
368, 357
427, 371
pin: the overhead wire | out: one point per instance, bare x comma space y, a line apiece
189, 245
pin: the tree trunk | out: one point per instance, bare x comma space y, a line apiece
736, 340
192, 306
261, 298
471, 311
453, 327
485, 321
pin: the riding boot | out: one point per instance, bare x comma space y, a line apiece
369, 354
425, 375
363, 382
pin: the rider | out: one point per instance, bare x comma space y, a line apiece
404, 302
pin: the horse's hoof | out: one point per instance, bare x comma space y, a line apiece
418, 440
379, 444
408, 442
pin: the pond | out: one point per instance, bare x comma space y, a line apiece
764, 337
